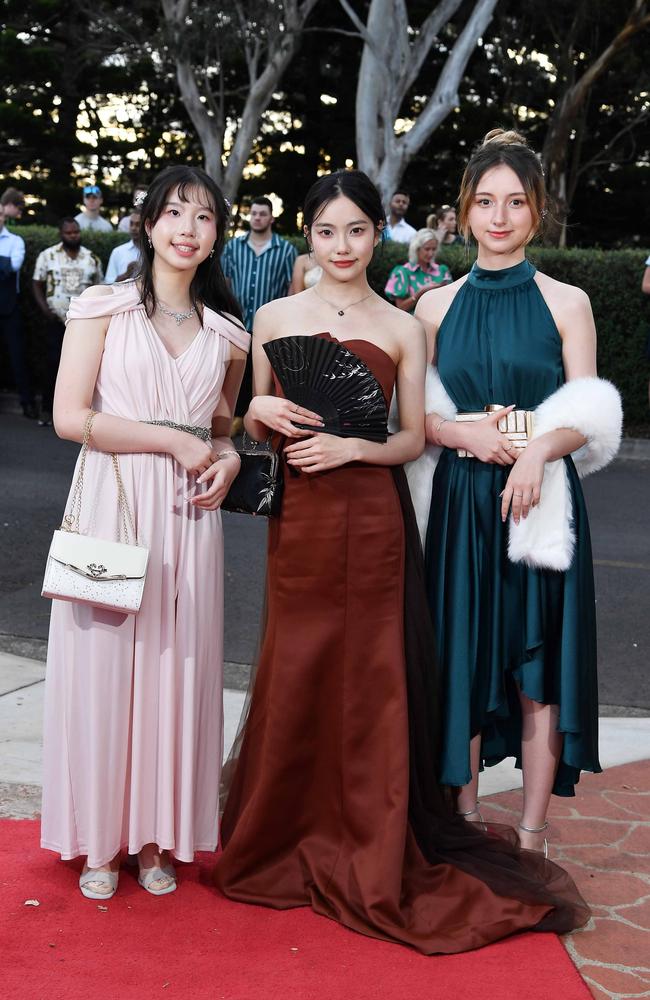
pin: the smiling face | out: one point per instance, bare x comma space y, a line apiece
186, 229
343, 238
426, 253
500, 215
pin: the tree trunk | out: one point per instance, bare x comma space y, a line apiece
209, 131
393, 54
263, 82
557, 145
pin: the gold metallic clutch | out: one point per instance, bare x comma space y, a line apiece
516, 425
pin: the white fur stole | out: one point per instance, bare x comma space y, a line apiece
591, 406
419, 473
546, 538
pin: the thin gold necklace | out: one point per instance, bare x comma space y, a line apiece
341, 312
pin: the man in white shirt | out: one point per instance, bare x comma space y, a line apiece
119, 263
398, 228
90, 217
61, 271
12, 255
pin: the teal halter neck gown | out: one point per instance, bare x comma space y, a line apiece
502, 625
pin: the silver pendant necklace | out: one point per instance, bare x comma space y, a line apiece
341, 312
180, 317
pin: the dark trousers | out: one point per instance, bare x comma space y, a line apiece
54, 330
11, 330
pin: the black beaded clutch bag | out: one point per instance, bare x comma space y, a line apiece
326, 377
257, 487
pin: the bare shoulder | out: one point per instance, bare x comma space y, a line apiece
272, 318
560, 296
96, 290
569, 306
277, 309
434, 304
403, 323
406, 331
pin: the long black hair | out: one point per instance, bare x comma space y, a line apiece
209, 286
353, 184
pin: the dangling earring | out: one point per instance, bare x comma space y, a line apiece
149, 242
212, 252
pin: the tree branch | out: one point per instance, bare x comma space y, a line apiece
445, 96
429, 31
638, 20
596, 160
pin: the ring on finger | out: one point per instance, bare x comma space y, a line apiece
517, 494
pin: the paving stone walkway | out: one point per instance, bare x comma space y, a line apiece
602, 838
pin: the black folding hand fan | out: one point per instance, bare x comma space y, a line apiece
326, 377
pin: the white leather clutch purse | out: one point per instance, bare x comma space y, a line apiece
93, 570
105, 574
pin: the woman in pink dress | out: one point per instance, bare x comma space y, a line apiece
133, 705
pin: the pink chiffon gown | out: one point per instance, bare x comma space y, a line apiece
133, 732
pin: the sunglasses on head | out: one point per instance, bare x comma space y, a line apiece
92, 189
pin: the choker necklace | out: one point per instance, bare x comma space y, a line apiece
341, 312
180, 317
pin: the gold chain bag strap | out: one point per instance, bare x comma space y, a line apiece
93, 570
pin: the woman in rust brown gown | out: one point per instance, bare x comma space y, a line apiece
334, 801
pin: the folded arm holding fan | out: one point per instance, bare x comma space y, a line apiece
321, 376
325, 376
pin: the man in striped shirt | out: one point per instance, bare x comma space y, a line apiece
259, 266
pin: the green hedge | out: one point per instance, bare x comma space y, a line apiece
611, 278
37, 238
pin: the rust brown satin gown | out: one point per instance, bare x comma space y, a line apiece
326, 793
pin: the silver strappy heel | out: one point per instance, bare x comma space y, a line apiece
473, 812
537, 829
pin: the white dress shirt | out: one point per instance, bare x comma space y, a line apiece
12, 246
119, 260
401, 231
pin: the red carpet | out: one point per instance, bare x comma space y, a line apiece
195, 945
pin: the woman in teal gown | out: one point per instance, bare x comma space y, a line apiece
517, 645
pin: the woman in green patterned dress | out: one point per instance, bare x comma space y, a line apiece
407, 282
